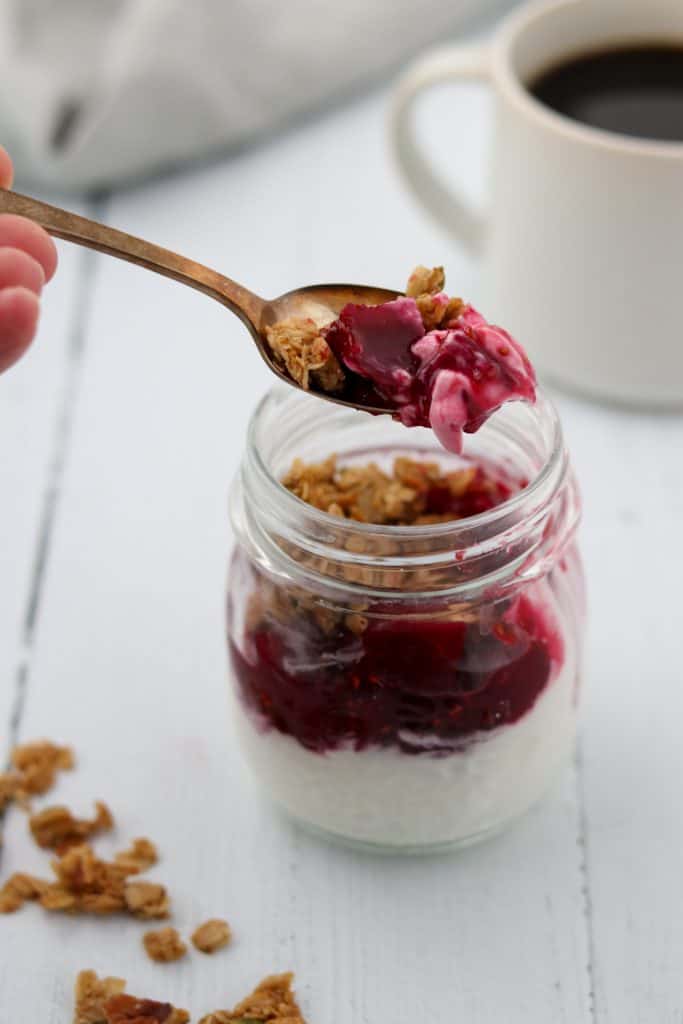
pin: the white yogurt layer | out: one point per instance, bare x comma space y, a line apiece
384, 797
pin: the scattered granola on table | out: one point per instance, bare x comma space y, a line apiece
34, 769
104, 1001
55, 828
271, 1002
164, 945
211, 936
86, 884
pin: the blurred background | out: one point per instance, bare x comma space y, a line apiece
96, 94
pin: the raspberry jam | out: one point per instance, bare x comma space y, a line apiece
404, 630
421, 687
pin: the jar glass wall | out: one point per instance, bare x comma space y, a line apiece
405, 687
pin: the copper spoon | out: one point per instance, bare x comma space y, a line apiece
317, 300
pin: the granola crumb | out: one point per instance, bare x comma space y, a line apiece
146, 900
34, 770
300, 348
19, 889
425, 281
211, 936
55, 828
437, 311
141, 855
164, 945
91, 994
271, 1002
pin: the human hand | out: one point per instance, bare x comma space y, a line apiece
28, 258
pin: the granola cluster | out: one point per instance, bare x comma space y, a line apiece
427, 288
368, 494
91, 994
212, 936
55, 828
299, 345
271, 1002
88, 885
104, 1001
300, 348
164, 945
34, 770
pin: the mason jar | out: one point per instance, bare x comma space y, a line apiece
405, 688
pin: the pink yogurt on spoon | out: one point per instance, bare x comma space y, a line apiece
451, 379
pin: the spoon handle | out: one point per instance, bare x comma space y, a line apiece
74, 228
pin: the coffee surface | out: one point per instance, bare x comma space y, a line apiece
633, 91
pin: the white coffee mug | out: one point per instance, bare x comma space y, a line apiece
582, 243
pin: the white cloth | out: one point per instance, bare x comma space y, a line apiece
93, 92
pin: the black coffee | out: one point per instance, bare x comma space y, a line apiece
635, 91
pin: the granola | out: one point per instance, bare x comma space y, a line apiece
368, 494
164, 945
88, 885
142, 854
146, 900
300, 348
425, 281
55, 828
104, 1001
271, 1001
211, 936
91, 994
437, 311
35, 766
18, 889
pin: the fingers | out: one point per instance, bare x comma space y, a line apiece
28, 258
19, 308
19, 233
6, 170
18, 268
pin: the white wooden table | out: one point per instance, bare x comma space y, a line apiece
118, 436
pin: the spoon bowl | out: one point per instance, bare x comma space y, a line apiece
322, 302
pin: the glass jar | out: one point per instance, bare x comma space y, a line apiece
404, 687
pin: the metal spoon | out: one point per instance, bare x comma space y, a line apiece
318, 300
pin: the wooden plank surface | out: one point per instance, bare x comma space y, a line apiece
631, 746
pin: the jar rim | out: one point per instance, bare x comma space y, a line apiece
543, 408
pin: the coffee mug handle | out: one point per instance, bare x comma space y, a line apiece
455, 63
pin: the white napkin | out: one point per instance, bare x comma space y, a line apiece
93, 92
